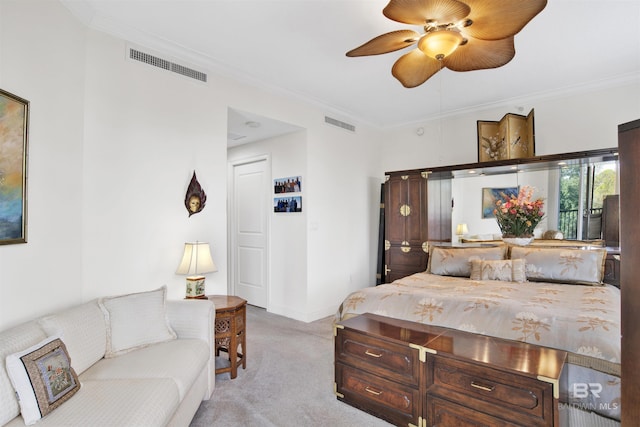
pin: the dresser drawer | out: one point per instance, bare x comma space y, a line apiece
396, 403
503, 394
386, 359
443, 413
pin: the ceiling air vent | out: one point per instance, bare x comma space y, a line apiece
137, 55
340, 124
234, 136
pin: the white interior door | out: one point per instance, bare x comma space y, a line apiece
249, 224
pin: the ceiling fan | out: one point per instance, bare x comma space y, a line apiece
461, 35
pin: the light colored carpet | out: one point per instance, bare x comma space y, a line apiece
288, 381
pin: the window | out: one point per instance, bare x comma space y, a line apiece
582, 190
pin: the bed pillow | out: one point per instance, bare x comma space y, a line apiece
562, 265
135, 321
42, 377
456, 261
508, 270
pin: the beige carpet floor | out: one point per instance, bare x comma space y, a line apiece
288, 380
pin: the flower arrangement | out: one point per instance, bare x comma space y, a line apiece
519, 216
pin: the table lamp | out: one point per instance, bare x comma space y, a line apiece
196, 261
461, 230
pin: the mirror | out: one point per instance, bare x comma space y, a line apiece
572, 185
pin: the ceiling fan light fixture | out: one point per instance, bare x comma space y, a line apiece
440, 44
485, 29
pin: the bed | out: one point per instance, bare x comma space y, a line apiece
547, 296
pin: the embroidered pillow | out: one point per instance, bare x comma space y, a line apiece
42, 377
563, 265
507, 270
456, 261
135, 321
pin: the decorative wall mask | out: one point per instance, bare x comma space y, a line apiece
195, 198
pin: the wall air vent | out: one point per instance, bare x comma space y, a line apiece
340, 124
137, 55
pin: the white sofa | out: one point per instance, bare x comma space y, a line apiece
159, 362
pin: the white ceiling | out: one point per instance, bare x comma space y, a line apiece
244, 127
297, 47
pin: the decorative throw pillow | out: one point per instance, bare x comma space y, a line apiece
456, 261
135, 321
42, 377
508, 270
83, 331
563, 265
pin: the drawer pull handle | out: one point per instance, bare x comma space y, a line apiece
482, 387
369, 353
372, 391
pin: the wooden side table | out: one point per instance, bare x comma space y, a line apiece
230, 330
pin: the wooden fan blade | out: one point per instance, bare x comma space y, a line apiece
415, 68
479, 54
498, 19
419, 12
386, 43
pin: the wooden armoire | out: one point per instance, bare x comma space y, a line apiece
405, 215
417, 210
629, 149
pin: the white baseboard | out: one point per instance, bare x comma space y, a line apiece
302, 316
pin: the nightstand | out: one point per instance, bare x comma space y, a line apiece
230, 330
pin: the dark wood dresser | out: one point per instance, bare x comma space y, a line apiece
412, 374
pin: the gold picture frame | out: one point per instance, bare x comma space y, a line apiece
14, 122
513, 137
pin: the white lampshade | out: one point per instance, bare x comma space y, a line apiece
196, 259
462, 229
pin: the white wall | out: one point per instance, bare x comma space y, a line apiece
343, 215
146, 132
155, 128
42, 60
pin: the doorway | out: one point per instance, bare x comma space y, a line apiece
254, 144
249, 250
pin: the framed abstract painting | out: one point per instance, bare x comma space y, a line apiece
14, 123
491, 195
